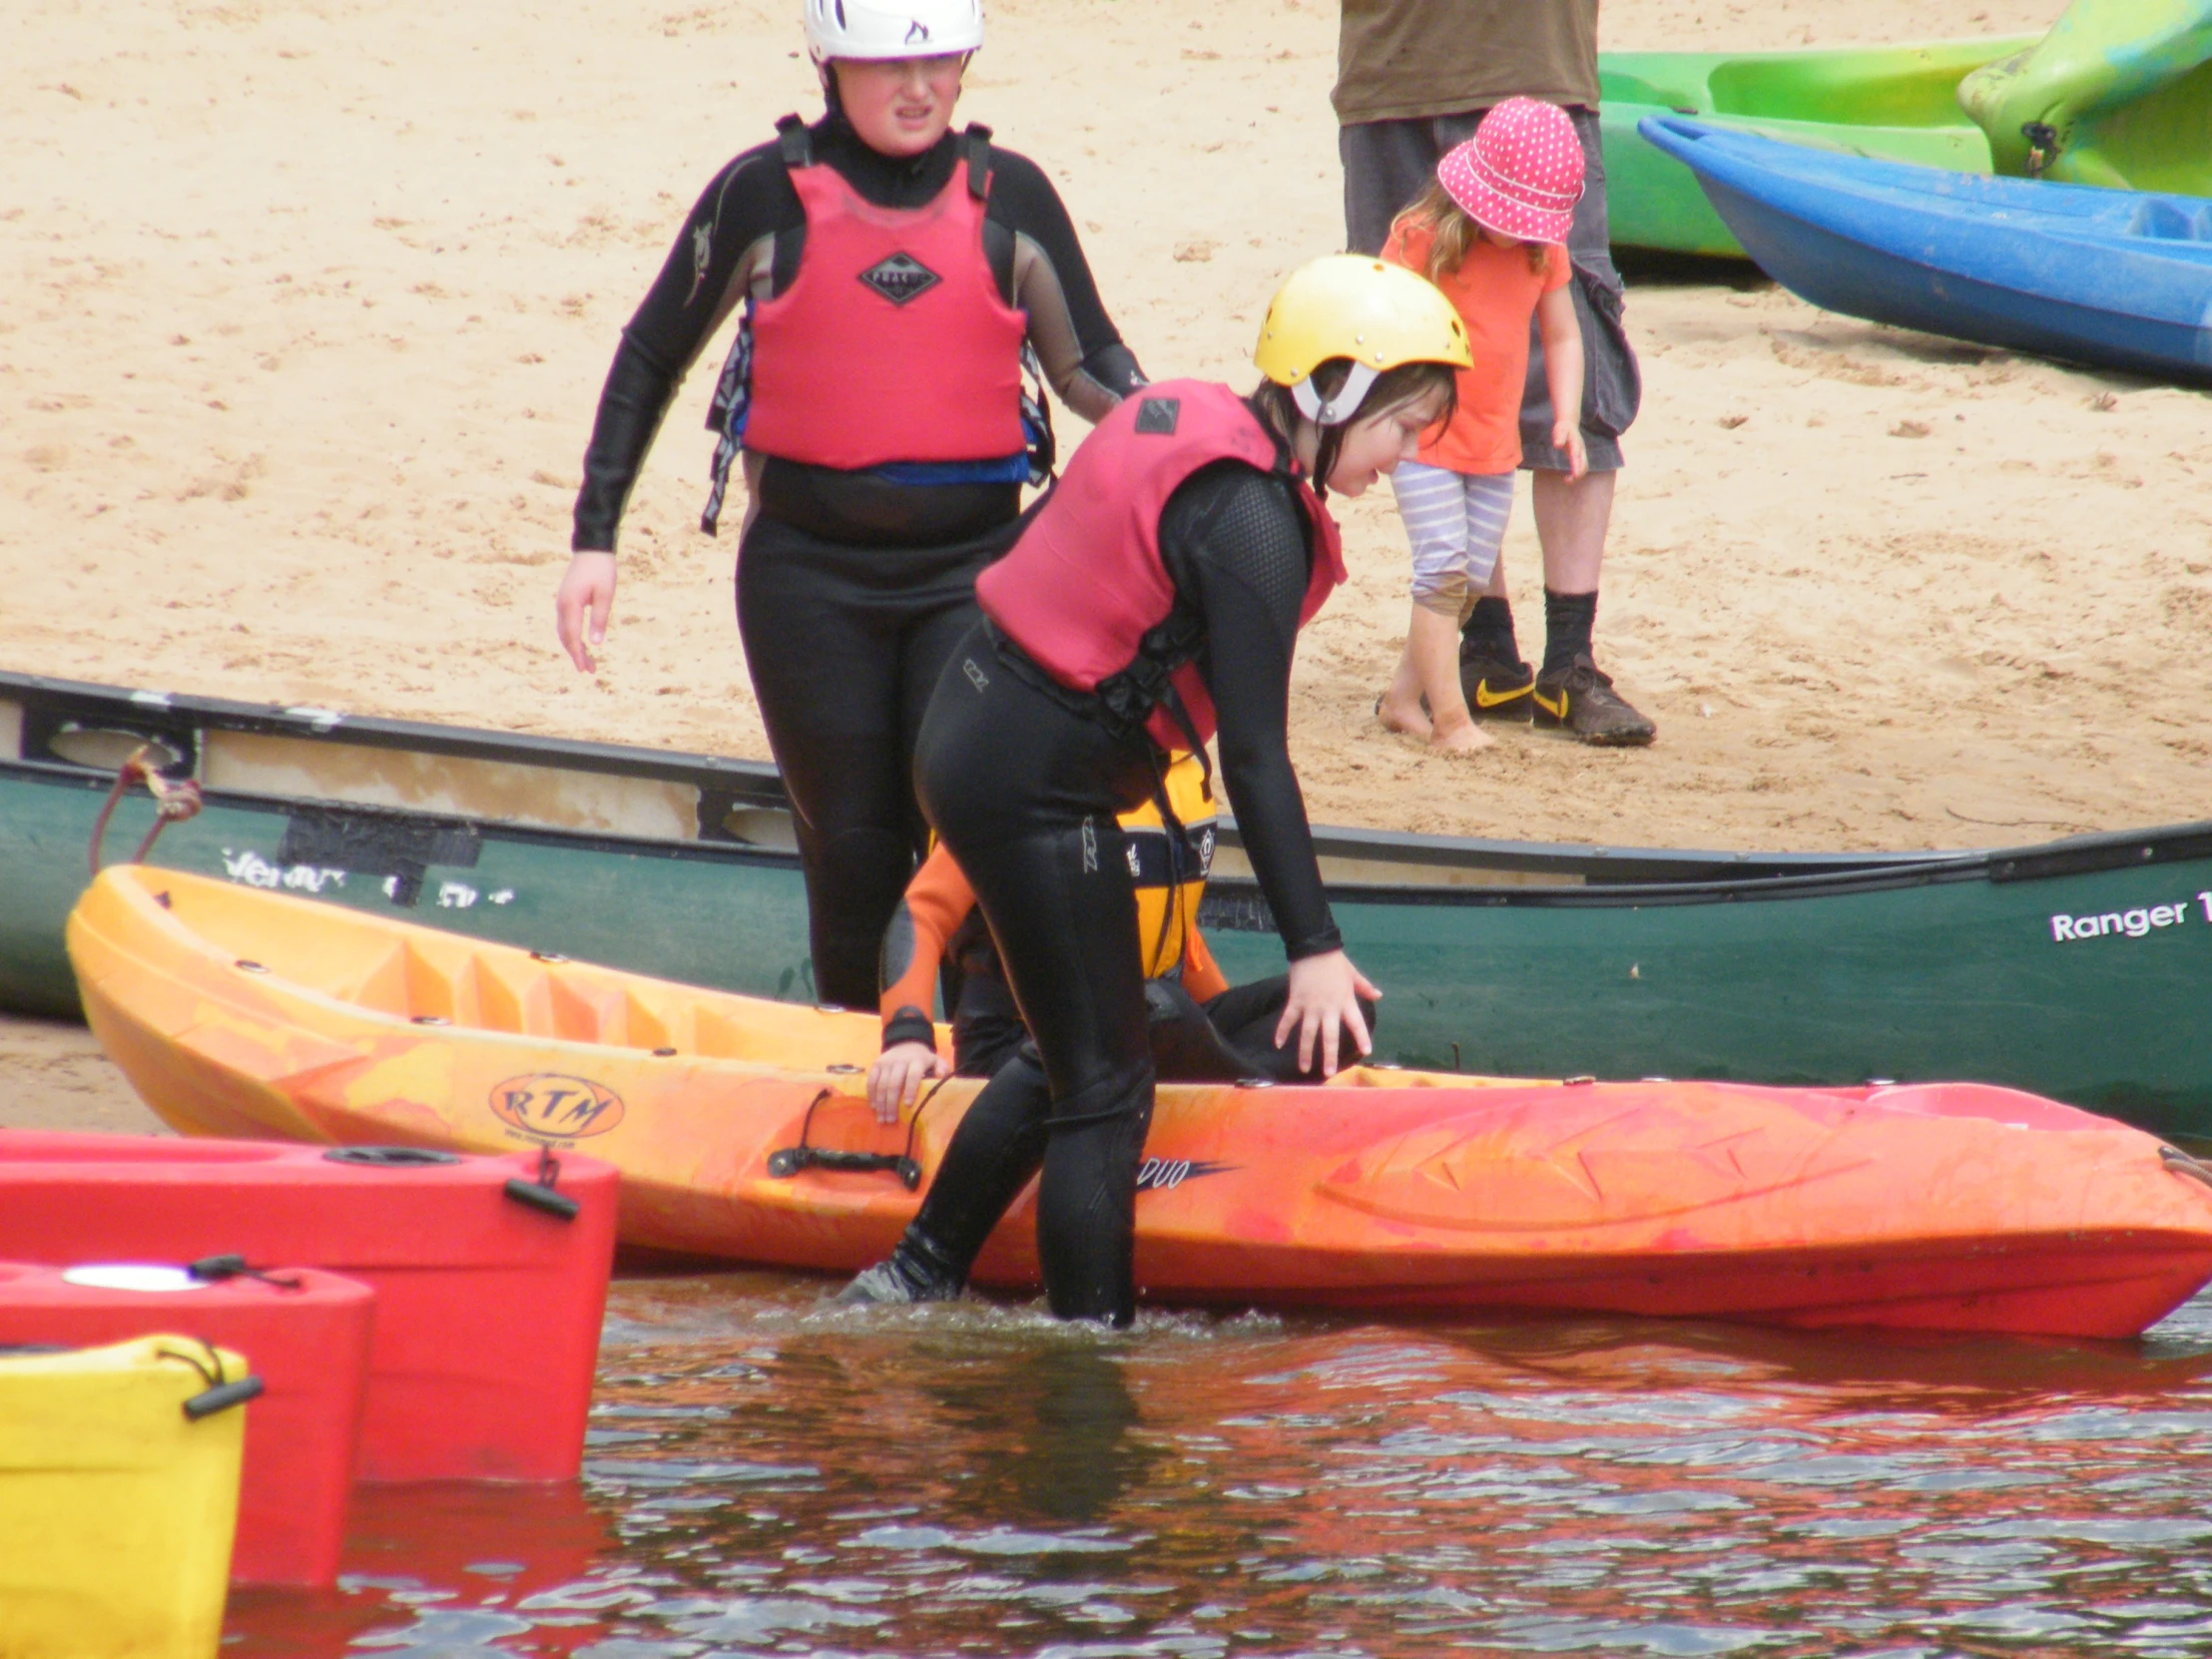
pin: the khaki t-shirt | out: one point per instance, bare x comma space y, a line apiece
1399, 60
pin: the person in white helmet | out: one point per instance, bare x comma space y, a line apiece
892, 278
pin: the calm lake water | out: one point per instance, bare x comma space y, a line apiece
771, 1475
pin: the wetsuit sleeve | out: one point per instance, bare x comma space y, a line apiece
937, 900
1082, 352
697, 287
1202, 975
1236, 544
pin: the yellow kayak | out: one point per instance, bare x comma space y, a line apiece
118, 1490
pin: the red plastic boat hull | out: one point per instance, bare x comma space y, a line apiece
305, 1336
487, 1307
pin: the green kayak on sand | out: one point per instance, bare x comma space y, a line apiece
1896, 103
2118, 94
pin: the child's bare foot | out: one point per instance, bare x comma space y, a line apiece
1462, 737
1401, 714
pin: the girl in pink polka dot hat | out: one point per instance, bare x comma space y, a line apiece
1489, 232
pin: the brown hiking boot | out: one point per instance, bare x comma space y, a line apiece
1495, 690
1582, 701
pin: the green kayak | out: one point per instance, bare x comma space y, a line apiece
1898, 103
2080, 969
2118, 94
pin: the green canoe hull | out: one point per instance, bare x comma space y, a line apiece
1493, 956
1943, 973
1898, 103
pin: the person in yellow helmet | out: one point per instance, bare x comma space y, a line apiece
1152, 601
1201, 1028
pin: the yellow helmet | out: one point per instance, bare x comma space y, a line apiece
1347, 305
1356, 309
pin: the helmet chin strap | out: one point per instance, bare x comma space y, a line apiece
1339, 408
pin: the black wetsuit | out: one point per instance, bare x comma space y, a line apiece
1024, 787
852, 587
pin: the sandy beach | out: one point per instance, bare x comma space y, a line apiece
309, 302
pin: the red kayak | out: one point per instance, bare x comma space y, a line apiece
306, 1334
490, 1273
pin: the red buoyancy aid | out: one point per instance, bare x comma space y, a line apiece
1084, 584
892, 343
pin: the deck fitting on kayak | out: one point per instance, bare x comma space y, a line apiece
786, 1162
2179, 1162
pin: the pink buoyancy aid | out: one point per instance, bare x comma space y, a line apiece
892, 343
1085, 584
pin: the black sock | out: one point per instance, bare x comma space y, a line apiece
1489, 632
1568, 618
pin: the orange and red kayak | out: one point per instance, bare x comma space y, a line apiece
741, 1131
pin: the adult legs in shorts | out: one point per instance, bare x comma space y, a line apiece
1571, 694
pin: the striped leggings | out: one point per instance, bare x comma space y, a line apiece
1457, 523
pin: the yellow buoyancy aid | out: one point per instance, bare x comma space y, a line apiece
1162, 931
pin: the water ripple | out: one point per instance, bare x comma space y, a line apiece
771, 1476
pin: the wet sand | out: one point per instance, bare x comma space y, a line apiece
311, 305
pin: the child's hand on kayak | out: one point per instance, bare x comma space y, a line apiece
897, 1076
1324, 1002
1567, 438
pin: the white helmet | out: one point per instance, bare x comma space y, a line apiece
893, 28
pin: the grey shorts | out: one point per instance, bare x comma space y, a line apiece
1389, 162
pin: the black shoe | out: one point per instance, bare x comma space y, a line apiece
897, 1283
1495, 689
1582, 701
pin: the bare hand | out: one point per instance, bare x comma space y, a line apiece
587, 595
1324, 1002
1567, 438
898, 1075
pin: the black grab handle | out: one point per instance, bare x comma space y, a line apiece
556, 1204
790, 1160
222, 1398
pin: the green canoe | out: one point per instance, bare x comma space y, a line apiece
2078, 969
1899, 103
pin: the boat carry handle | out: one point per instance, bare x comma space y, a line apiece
218, 1396
557, 1205
538, 1193
222, 1398
214, 1270
786, 1162
175, 800
2178, 1162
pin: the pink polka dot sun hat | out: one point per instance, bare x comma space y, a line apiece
1522, 173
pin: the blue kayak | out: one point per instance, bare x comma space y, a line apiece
2116, 279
